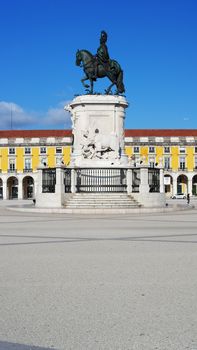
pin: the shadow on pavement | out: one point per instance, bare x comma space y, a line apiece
15, 346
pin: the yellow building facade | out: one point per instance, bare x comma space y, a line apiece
22, 152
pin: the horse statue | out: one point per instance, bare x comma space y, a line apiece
93, 69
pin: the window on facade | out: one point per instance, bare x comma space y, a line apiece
44, 161
27, 150
11, 164
11, 150
59, 161
58, 150
43, 150
182, 149
136, 149
182, 163
152, 162
195, 165
167, 149
27, 163
195, 150
137, 160
151, 149
167, 163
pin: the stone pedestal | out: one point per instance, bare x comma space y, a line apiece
161, 180
144, 186
50, 199
98, 130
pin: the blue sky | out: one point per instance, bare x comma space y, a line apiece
153, 40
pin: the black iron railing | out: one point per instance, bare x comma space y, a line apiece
135, 179
101, 180
67, 180
154, 180
48, 180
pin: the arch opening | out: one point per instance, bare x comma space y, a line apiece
28, 187
12, 186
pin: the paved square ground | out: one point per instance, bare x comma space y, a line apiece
73, 282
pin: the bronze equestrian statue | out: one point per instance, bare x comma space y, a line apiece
100, 66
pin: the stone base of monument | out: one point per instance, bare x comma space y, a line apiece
123, 188
98, 131
99, 174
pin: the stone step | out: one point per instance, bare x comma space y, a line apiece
101, 201
102, 206
107, 197
100, 195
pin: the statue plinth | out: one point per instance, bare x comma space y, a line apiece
98, 130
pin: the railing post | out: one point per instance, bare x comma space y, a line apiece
129, 181
5, 191
59, 180
73, 180
144, 186
161, 179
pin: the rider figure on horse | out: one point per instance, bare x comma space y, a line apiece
102, 56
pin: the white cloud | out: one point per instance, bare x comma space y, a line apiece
57, 116
13, 115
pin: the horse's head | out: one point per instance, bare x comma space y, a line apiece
78, 58
83, 57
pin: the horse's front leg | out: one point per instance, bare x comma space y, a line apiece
84, 79
91, 86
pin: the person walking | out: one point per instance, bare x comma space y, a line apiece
188, 198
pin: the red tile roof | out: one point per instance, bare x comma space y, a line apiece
34, 133
160, 132
128, 132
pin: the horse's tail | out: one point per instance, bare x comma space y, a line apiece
119, 82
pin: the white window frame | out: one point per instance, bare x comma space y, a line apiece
27, 161
137, 160
136, 149
151, 149
195, 162
12, 151
167, 164
27, 148
167, 151
12, 164
182, 160
43, 150
182, 149
151, 161
58, 148
43, 160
